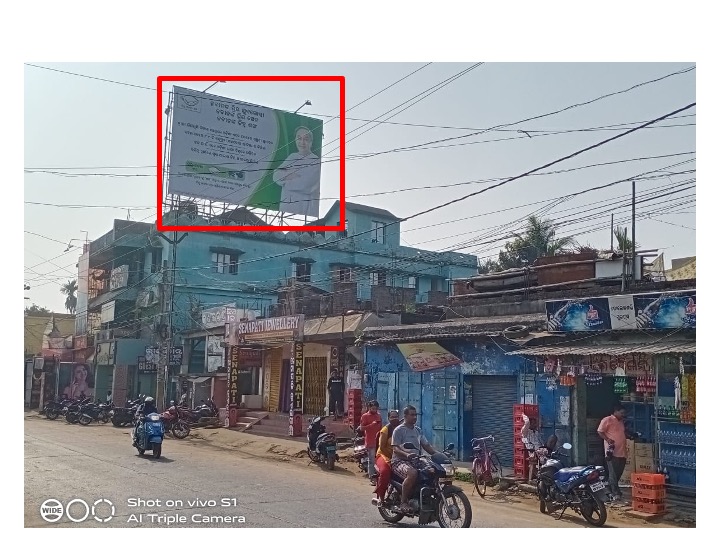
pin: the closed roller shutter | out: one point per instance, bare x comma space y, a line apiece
493, 400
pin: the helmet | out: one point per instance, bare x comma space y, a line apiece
149, 399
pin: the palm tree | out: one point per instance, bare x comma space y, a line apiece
538, 240
624, 243
69, 290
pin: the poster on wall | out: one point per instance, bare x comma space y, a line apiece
227, 150
427, 356
77, 382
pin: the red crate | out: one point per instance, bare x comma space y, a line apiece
648, 479
518, 420
520, 449
517, 430
518, 440
520, 461
532, 411
521, 472
647, 492
648, 506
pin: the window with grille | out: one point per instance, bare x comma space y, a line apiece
377, 235
224, 263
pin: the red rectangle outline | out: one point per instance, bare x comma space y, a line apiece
267, 78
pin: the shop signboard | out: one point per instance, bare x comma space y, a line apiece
233, 375
153, 355
218, 316
667, 310
273, 329
250, 358
296, 386
656, 311
119, 277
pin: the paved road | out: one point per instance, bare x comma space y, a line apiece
66, 462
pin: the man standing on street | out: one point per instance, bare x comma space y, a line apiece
336, 389
612, 431
371, 424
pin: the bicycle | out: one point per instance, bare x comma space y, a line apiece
486, 467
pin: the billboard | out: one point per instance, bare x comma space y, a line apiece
230, 151
653, 311
76, 380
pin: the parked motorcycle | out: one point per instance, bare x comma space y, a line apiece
148, 434
322, 445
100, 412
173, 423
360, 452
434, 498
583, 489
122, 416
54, 408
206, 414
72, 410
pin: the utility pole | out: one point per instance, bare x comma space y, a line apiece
632, 261
164, 360
612, 232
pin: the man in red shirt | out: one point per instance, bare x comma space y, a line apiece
612, 431
371, 424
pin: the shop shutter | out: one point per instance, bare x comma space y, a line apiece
493, 400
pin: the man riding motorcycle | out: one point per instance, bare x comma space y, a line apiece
146, 408
401, 458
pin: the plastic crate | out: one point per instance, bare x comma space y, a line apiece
651, 493
641, 505
519, 450
518, 420
517, 430
517, 440
532, 411
648, 479
520, 461
521, 472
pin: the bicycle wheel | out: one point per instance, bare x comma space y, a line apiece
495, 472
479, 477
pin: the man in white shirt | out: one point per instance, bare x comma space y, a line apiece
533, 442
299, 177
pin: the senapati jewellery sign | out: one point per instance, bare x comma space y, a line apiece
273, 329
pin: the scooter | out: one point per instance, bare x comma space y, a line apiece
583, 489
148, 434
434, 496
322, 446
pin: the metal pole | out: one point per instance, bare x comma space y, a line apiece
632, 261
612, 232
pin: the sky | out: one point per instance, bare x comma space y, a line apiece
90, 147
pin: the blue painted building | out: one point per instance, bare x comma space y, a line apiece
472, 399
124, 279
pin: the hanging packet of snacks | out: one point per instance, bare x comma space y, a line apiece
593, 376
620, 385
551, 383
571, 376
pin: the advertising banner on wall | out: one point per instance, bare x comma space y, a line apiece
656, 311
226, 150
426, 356
76, 380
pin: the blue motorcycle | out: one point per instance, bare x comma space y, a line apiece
583, 489
149, 434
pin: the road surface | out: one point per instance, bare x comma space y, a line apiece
197, 485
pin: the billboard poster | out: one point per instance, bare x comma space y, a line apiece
76, 381
226, 150
659, 311
426, 356
652, 311
579, 315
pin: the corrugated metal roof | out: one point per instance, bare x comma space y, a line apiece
432, 337
611, 350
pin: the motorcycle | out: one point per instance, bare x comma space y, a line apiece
322, 445
583, 489
100, 412
172, 422
72, 410
206, 414
434, 497
53, 409
148, 434
122, 416
360, 453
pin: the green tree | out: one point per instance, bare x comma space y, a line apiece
624, 243
539, 239
69, 290
36, 310
488, 266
